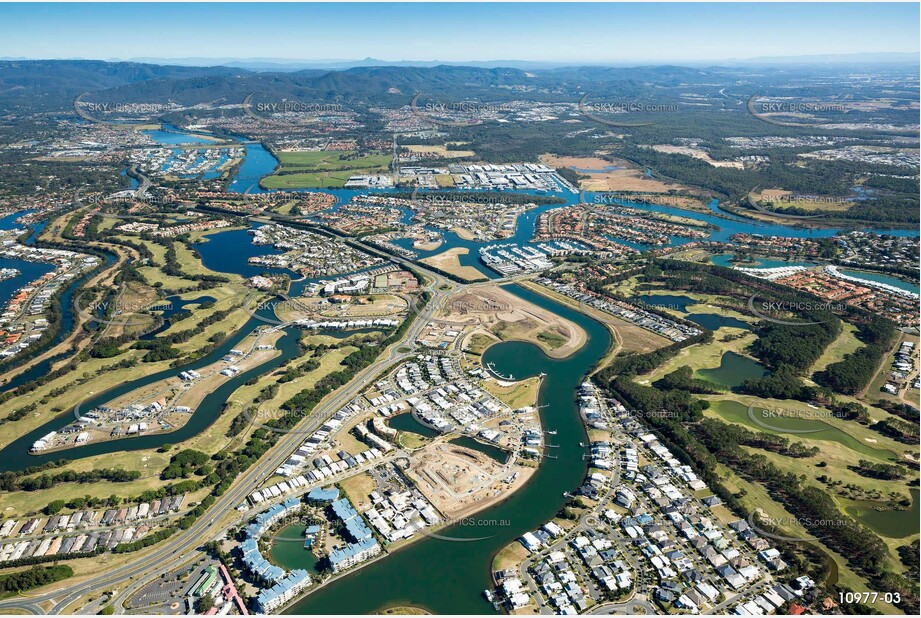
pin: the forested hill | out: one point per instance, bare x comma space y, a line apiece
46, 84
49, 84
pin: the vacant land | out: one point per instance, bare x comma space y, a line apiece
489, 308
439, 151
624, 176
449, 262
780, 198
322, 169
696, 153
459, 481
630, 337
358, 488
510, 556
516, 395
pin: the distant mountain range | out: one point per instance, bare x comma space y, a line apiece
290, 65
53, 84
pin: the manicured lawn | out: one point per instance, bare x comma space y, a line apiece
844, 344
313, 180
321, 169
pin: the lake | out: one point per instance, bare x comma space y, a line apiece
893, 524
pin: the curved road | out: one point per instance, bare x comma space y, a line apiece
181, 547
178, 548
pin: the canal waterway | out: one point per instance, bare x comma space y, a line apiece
30, 271
410, 576
494, 452
16, 456
259, 163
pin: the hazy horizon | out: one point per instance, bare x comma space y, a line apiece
651, 33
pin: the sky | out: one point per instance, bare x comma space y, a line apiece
585, 33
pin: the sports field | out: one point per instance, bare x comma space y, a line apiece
311, 169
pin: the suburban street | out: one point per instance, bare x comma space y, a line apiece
182, 546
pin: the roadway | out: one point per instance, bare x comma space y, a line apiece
180, 547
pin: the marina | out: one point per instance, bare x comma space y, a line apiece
405, 577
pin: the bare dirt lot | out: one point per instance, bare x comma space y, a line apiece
459, 481
449, 262
697, 153
489, 308
627, 177
629, 337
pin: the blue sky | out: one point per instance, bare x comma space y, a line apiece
583, 33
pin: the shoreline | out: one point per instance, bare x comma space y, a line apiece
505, 498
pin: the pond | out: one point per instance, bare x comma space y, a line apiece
892, 524
408, 422
672, 302
288, 550
733, 370
714, 321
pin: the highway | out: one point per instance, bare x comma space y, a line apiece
180, 547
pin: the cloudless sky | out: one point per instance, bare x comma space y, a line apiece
456, 32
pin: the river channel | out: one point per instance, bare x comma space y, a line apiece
438, 575
16, 456
445, 576
259, 163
